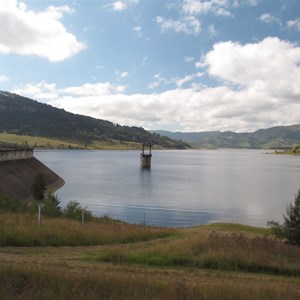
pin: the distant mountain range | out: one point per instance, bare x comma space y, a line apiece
281, 137
24, 116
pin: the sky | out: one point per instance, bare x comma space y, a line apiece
180, 65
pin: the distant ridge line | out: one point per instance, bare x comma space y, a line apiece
279, 137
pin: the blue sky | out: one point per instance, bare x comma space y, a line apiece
181, 65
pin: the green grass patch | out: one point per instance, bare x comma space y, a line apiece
218, 251
240, 228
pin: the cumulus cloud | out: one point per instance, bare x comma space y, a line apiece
26, 32
42, 91
270, 66
187, 24
259, 87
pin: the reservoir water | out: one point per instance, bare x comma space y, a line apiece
183, 188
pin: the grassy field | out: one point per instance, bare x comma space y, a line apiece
107, 259
42, 142
293, 151
286, 152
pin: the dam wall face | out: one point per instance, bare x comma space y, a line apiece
15, 154
18, 169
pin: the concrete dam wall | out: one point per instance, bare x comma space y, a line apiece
18, 168
13, 154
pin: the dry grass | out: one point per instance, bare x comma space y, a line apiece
28, 282
43, 142
219, 251
218, 261
35, 141
23, 230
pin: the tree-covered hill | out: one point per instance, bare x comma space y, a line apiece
24, 116
281, 137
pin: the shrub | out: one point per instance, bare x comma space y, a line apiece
51, 207
74, 211
296, 148
290, 229
11, 204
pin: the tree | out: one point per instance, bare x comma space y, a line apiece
38, 189
290, 229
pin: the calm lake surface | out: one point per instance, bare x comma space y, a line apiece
183, 188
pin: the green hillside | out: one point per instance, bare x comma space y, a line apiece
23, 116
281, 137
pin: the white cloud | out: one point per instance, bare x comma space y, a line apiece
138, 30
145, 58
189, 59
198, 7
158, 80
3, 78
267, 74
119, 5
294, 24
181, 81
91, 90
123, 74
271, 65
42, 91
269, 19
212, 31
36, 33
58, 11
178, 82
253, 2
187, 24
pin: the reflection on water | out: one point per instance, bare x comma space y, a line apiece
183, 188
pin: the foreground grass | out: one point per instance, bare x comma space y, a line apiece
21, 230
217, 261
